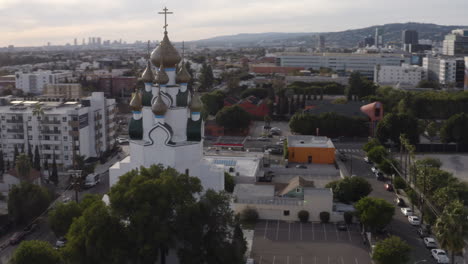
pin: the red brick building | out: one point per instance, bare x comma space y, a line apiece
117, 86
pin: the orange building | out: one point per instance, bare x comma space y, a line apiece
310, 149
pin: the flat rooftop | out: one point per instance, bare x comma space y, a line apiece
245, 166
309, 142
254, 191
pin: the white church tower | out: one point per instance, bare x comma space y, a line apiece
166, 127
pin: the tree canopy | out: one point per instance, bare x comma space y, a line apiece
374, 213
350, 189
260, 93
359, 86
26, 201
233, 118
391, 251
34, 251
62, 216
455, 129
393, 125
213, 102
329, 124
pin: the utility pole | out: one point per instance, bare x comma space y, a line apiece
423, 193
76, 182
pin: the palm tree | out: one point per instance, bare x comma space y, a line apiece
451, 228
23, 166
38, 112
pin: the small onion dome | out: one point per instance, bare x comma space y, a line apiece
165, 53
182, 75
162, 77
196, 104
135, 103
159, 108
148, 74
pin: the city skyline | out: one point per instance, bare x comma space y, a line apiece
40, 21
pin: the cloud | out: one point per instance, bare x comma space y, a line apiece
35, 22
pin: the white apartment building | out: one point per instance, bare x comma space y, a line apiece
340, 62
444, 69
67, 128
399, 75
34, 82
456, 43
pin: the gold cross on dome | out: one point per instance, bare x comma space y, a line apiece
165, 13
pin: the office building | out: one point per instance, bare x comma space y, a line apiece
405, 75
379, 41
448, 71
75, 42
456, 43
34, 82
369, 41
63, 90
320, 43
342, 63
66, 129
409, 38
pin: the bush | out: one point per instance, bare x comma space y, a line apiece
229, 182
348, 217
249, 215
399, 183
324, 217
303, 216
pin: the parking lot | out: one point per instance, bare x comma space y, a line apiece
277, 242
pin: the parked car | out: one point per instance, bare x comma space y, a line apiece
430, 242
374, 169
16, 238
343, 157
341, 226
300, 166
263, 139
31, 228
414, 220
400, 202
407, 211
61, 242
379, 176
440, 256
424, 231
389, 187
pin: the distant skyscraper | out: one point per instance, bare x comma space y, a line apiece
76, 42
409, 40
369, 41
320, 42
379, 42
98, 41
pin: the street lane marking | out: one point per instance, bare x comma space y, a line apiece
287, 260
260, 261
342, 260
289, 231
301, 260
328, 259
277, 228
266, 228
274, 258
355, 260
315, 259
336, 229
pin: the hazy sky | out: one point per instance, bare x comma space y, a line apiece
36, 22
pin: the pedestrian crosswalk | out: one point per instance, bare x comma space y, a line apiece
350, 150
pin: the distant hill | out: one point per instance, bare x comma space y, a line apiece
347, 38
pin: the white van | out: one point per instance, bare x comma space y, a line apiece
92, 180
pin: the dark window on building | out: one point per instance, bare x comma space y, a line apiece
286, 212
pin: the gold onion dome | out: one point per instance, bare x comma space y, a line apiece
165, 54
148, 74
182, 75
161, 77
196, 104
159, 108
135, 103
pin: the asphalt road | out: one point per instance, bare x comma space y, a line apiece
399, 225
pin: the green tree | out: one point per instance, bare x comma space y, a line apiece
350, 189
374, 213
213, 102
377, 154
454, 129
34, 251
97, 237
260, 93
359, 86
30, 154
324, 217
392, 250
206, 232
249, 215
206, 78
37, 159
138, 195
26, 201
54, 175
371, 144
303, 216
233, 118
432, 129
22, 166
62, 216
393, 125
451, 228
229, 182
428, 84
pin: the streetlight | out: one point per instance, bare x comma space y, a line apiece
421, 261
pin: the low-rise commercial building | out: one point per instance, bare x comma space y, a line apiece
445, 69
310, 149
456, 43
63, 90
403, 75
57, 127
